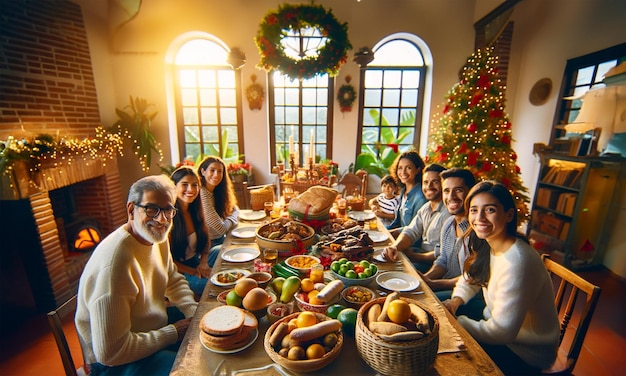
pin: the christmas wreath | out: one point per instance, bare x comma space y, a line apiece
274, 28
346, 96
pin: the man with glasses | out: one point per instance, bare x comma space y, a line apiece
122, 319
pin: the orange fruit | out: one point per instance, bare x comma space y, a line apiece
307, 285
315, 351
399, 311
306, 319
292, 324
313, 298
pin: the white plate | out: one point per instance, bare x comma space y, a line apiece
250, 215
215, 281
245, 232
251, 338
397, 281
361, 215
378, 256
240, 254
377, 236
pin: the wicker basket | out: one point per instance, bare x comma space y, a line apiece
301, 365
258, 197
396, 358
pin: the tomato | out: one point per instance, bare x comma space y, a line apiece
358, 269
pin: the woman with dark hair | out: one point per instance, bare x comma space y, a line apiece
189, 238
407, 171
219, 202
520, 329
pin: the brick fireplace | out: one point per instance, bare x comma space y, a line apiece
32, 230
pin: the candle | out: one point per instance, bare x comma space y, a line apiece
312, 147
291, 144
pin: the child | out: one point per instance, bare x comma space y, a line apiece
385, 206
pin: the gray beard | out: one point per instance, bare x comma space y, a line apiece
149, 233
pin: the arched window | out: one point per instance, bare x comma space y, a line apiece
392, 97
207, 101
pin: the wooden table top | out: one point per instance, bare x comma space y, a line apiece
459, 353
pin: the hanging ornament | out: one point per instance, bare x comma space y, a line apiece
472, 127
255, 94
346, 95
506, 140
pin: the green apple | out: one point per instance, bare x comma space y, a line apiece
233, 299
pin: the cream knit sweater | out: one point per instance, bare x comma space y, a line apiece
520, 311
121, 315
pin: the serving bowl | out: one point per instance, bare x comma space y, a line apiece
355, 281
285, 242
318, 308
356, 296
277, 311
262, 278
302, 263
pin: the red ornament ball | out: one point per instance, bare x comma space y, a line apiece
472, 127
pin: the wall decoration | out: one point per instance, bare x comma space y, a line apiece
273, 29
346, 95
255, 94
540, 92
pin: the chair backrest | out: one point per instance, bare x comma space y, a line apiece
354, 184
570, 285
55, 319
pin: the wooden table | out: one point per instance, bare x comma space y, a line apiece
194, 359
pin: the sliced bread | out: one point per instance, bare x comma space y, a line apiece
223, 320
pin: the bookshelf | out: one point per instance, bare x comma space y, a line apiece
574, 207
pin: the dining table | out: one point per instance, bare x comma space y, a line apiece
458, 353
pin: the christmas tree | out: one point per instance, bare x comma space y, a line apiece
473, 131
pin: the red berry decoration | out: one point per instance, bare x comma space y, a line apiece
472, 128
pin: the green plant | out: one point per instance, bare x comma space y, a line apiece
225, 152
377, 156
135, 125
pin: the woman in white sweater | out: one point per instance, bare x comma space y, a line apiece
520, 329
219, 203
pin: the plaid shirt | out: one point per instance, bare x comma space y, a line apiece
452, 254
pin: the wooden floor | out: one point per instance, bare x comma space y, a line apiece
31, 350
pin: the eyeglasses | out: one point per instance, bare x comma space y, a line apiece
153, 211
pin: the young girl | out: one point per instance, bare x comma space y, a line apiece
218, 202
387, 201
520, 329
189, 238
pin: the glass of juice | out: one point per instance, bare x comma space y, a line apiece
317, 273
270, 256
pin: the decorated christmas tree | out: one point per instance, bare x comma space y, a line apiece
473, 131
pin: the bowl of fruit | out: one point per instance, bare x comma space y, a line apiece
356, 296
353, 273
315, 300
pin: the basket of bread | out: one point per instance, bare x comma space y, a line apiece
259, 196
304, 341
313, 204
226, 329
397, 335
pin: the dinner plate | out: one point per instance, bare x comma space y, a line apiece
232, 274
361, 215
251, 215
240, 254
378, 256
397, 281
251, 338
245, 232
377, 236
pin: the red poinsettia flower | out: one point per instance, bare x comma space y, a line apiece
506, 140
446, 109
462, 149
476, 99
486, 167
438, 148
495, 113
393, 147
443, 157
427, 158
483, 81
507, 125
471, 158
506, 182
272, 19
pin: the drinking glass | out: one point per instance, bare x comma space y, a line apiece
268, 206
270, 256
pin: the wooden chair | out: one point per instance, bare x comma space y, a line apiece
570, 285
55, 319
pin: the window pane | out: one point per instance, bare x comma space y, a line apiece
291, 97
187, 78
398, 53
584, 76
279, 115
190, 116
393, 79
322, 115
391, 98
409, 98
206, 79
373, 79
228, 116
228, 97
232, 134
192, 134
603, 68
309, 97
207, 97
192, 150
367, 117
291, 115
209, 115
308, 115
209, 134
390, 116
226, 78
407, 117
372, 97
411, 79
188, 97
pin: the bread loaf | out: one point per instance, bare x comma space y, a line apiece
317, 199
223, 320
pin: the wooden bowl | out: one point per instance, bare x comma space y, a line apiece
308, 365
283, 245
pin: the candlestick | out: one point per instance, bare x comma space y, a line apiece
291, 143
